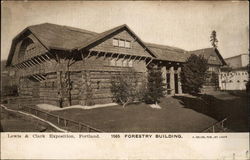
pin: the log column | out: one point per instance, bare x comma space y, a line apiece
164, 76
59, 89
179, 80
82, 93
172, 86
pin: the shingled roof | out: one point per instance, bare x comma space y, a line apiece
60, 37
207, 52
168, 53
69, 38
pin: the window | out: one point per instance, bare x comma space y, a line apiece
115, 42
127, 44
112, 62
119, 62
213, 58
130, 63
125, 63
121, 43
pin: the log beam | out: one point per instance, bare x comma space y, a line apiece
43, 58
118, 55
149, 62
32, 61
35, 78
29, 63
26, 64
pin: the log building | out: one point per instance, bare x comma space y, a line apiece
61, 65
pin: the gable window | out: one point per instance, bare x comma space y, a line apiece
213, 58
127, 44
115, 42
121, 43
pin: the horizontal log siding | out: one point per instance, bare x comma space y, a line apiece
136, 48
100, 82
25, 87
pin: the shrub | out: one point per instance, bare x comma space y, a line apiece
155, 89
125, 87
194, 73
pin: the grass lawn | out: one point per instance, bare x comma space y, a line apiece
233, 105
178, 114
13, 122
173, 117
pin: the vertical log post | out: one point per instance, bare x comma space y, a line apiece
79, 127
58, 120
65, 123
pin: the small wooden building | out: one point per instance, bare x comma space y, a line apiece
59, 64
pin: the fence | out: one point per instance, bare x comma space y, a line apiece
67, 124
216, 127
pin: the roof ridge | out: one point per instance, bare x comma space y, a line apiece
201, 49
79, 30
163, 46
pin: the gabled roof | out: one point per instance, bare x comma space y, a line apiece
168, 53
67, 38
107, 33
61, 37
207, 52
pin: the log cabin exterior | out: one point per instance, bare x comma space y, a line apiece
62, 65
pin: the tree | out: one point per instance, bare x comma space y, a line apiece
155, 85
213, 39
194, 73
124, 87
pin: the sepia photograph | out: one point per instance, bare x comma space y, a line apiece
126, 67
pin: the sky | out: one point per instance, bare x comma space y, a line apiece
185, 24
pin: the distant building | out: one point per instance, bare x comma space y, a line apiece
238, 61
237, 77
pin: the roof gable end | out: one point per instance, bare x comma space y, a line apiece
97, 39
